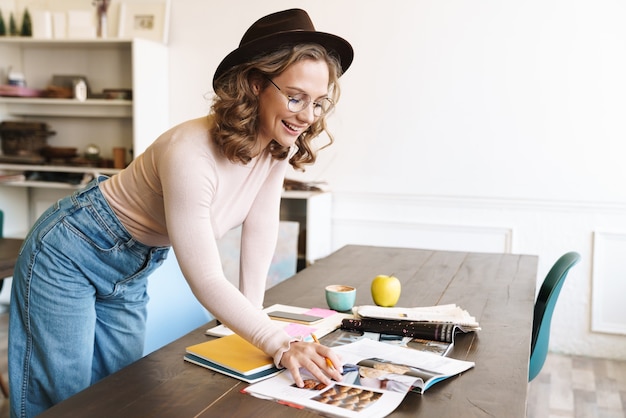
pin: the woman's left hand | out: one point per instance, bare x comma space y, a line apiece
313, 358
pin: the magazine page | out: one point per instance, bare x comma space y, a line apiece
341, 337
426, 367
377, 377
436, 347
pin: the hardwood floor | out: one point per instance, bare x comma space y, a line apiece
567, 387
578, 387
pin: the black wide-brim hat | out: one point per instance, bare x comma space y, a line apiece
279, 29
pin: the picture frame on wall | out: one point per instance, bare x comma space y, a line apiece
144, 20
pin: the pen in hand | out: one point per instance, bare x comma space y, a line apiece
328, 362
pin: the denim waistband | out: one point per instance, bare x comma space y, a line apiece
91, 195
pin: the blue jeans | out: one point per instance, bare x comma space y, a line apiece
78, 302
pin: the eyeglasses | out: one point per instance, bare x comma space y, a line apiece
299, 102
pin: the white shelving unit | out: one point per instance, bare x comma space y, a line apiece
137, 64
140, 65
313, 211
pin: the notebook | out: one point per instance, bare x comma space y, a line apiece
231, 355
250, 378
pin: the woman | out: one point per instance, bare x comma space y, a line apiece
78, 306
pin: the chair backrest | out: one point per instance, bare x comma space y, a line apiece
1, 222
544, 307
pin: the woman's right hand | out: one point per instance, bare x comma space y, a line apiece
312, 357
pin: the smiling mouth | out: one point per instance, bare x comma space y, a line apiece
292, 128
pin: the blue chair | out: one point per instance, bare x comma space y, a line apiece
544, 307
173, 310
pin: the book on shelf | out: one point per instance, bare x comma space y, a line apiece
233, 356
11, 176
376, 378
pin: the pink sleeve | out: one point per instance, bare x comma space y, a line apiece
259, 236
188, 186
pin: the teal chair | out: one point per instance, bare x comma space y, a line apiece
544, 307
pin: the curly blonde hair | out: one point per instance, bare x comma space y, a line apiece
235, 106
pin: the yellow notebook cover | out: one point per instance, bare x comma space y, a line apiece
234, 353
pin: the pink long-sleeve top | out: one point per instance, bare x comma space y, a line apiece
183, 192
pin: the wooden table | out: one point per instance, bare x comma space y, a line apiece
498, 289
9, 250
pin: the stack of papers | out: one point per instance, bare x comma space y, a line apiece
445, 314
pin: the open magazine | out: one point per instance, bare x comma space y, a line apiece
377, 377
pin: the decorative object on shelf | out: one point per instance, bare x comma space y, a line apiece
24, 138
80, 90
57, 92
119, 157
117, 94
59, 25
91, 157
16, 78
59, 153
12, 26
92, 152
102, 7
144, 20
41, 24
27, 24
7, 90
3, 26
68, 86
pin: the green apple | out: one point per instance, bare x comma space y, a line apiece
386, 290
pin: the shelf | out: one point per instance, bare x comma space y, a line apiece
93, 108
57, 168
93, 171
300, 194
42, 184
312, 210
71, 43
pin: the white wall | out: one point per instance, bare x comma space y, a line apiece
464, 125
460, 98
482, 125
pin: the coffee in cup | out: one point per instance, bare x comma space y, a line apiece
340, 297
